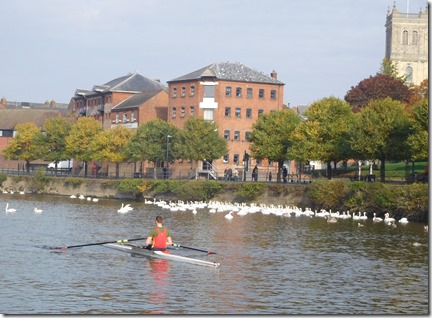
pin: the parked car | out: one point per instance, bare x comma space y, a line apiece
65, 165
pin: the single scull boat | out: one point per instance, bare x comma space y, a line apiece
158, 254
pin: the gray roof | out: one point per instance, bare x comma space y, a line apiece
136, 100
229, 71
133, 82
9, 118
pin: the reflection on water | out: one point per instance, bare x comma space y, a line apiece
269, 264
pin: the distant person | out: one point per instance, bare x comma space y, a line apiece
236, 174
255, 173
159, 237
285, 174
270, 176
229, 174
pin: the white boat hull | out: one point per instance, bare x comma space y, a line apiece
159, 254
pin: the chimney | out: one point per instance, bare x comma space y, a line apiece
273, 74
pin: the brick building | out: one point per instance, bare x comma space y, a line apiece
233, 96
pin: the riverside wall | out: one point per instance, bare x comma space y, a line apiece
293, 194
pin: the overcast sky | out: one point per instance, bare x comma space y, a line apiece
318, 48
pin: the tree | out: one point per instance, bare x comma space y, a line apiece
150, 143
111, 145
200, 141
419, 93
25, 144
321, 137
389, 67
380, 131
78, 143
377, 87
271, 136
418, 141
53, 140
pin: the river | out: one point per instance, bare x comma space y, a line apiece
270, 264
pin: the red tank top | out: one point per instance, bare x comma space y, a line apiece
160, 239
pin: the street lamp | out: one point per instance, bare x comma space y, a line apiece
166, 168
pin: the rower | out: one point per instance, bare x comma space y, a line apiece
159, 237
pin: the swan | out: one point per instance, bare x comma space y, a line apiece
9, 210
22, 192
81, 197
387, 218
125, 208
363, 217
73, 196
36, 210
403, 220
376, 219
229, 216
331, 219
95, 200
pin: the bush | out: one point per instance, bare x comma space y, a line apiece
130, 185
199, 190
250, 191
328, 194
74, 182
39, 180
3, 178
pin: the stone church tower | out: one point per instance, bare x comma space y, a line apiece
407, 43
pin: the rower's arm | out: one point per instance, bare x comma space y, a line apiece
169, 240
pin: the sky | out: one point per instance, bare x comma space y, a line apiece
318, 48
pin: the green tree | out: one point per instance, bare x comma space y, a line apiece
389, 67
200, 141
78, 142
150, 143
271, 136
25, 144
322, 136
380, 132
376, 87
53, 140
111, 145
418, 141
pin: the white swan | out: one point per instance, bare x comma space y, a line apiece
331, 219
125, 208
95, 200
387, 218
376, 219
36, 210
229, 216
81, 197
73, 196
9, 210
403, 220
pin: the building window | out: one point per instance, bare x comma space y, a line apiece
174, 112
174, 92
247, 136
260, 112
183, 111
133, 119
192, 91
405, 37
226, 134
228, 91
125, 119
249, 93
226, 158
237, 135
273, 94
261, 93
236, 158
414, 38
117, 118
183, 94
409, 74
228, 112
237, 112
248, 112
238, 92
192, 110
209, 91
208, 114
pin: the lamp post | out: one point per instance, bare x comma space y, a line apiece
167, 150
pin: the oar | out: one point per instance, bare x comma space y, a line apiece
193, 248
101, 243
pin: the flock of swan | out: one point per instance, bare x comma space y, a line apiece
241, 209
